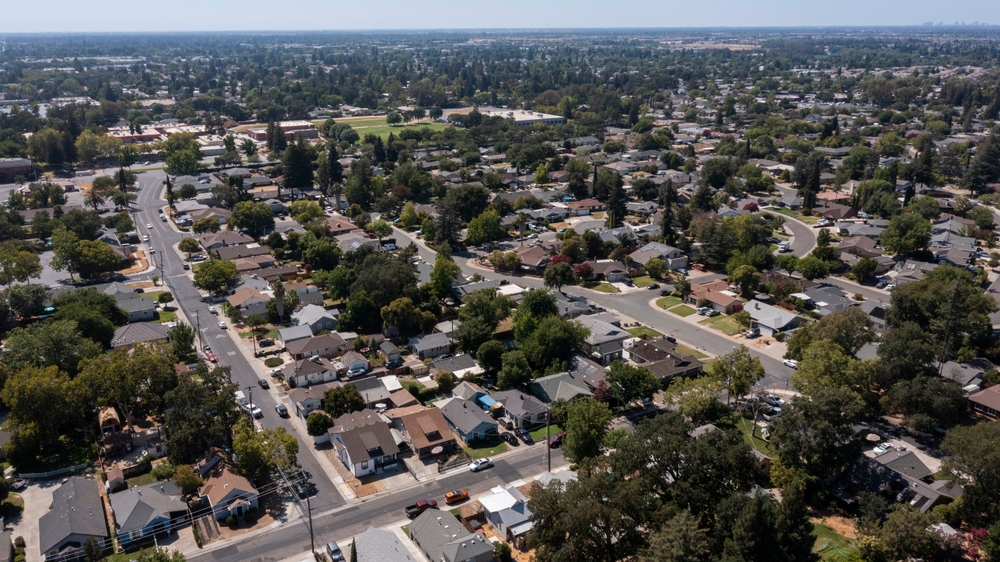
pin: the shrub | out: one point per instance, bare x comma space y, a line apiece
164, 471
230, 520
273, 362
779, 336
19, 542
197, 537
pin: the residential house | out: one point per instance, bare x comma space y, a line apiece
896, 473
288, 335
217, 213
352, 360
143, 511
506, 509
910, 270
306, 372
249, 302
460, 366
130, 334
608, 270
860, 246
793, 202
642, 208
523, 410
770, 319
377, 545
968, 376
585, 207
468, 391
139, 309
340, 225
425, 429
533, 258
364, 442
316, 317
834, 211
430, 345
715, 294
876, 312
307, 400
254, 263
604, 342
235, 252
560, 386
402, 399
443, 538
228, 494
674, 258
827, 299
373, 390
986, 402
661, 358
327, 345
77, 514
390, 351
308, 293
469, 422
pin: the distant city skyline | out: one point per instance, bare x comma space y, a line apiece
60, 16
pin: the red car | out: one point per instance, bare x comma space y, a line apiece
211, 357
556, 439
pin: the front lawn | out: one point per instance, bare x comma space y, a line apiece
722, 323
643, 281
812, 219
601, 286
483, 449
683, 310
539, 434
689, 351
163, 316
667, 302
644, 331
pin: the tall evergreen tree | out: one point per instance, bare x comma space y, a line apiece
667, 213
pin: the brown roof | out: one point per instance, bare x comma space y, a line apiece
533, 256
989, 397
427, 428
402, 398
712, 292
243, 295
222, 481
341, 226
584, 204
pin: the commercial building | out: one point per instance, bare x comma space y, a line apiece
524, 118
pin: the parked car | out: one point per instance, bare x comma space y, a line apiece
773, 400
712, 312
456, 496
480, 464
665, 293
282, 410
212, 310
19, 484
524, 435
824, 222
211, 357
771, 415
265, 342
163, 218
703, 310
334, 551
653, 287
509, 437
149, 225
791, 363
356, 371
276, 371
556, 439
263, 383
752, 333
222, 324
420, 507
882, 448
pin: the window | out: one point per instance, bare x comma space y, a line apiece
364, 464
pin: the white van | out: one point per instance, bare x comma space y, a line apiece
784, 247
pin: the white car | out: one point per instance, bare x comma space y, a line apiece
145, 238
276, 371
480, 464
212, 309
882, 448
355, 372
222, 324
791, 363
149, 225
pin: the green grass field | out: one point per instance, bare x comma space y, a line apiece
644, 331
643, 281
722, 323
667, 302
682, 310
378, 126
829, 539
539, 434
602, 287
479, 450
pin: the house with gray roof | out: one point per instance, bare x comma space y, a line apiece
560, 386
443, 538
674, 258
523, 410
77, 514
288, 335
326, 345
146, 510
827, 299
140, 309
376, 545
316, 317
506, 509
364, 442
770, 319
430, 345
876, 312
144, 332
460, 366
306, 372
469, 421
604, 343
966, 374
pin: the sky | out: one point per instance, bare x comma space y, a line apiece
40, 16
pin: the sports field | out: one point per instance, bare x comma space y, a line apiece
378, 126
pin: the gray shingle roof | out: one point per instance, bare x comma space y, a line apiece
376, 545
76, 510
437, 532
138, 333
137, 507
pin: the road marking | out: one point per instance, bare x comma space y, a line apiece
230, 353
220, 336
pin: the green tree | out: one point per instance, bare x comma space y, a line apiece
655, 268
746, 277
253, 218
906, 233
815, 436
343, 400
738, 371
812, 267
260, 453
514, 370
928, 402
406, 318
631, 383
182, 154
298, 166
484, 228
182, 342
25, 301
679, 540
317, 423
216, 276
380, 229
36, 431
864, 269
974, 458
50, 343
559, 274
187, 480
200, 413
408, 217
587, 421
552, 341
94, 258
305, 211
541, 174
490, 355
445, 273
18, 264
201, 226
189, 246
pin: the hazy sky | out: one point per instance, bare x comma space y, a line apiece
208, 15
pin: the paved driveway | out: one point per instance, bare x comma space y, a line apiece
37, 498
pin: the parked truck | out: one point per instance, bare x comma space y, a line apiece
420, 507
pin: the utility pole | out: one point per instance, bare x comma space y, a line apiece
250, 391
197, 319
548, 444
312, 539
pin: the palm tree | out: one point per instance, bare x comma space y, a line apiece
94, 198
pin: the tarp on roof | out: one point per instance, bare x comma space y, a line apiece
486, 401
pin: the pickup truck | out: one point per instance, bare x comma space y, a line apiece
420, 507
